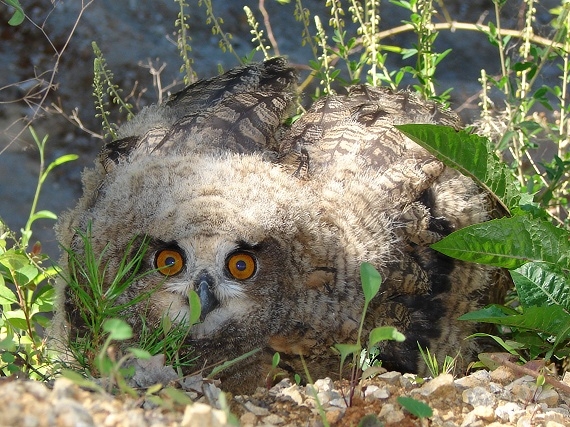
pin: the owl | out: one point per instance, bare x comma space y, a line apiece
269, 221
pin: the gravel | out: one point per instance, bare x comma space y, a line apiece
498, 398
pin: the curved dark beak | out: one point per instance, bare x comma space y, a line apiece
208, 300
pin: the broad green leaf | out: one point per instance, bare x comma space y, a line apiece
541, 284
6, 295
415, 407
8, 357
470, 154
41, 320
509, 243
552, 320
384, 333
371, 281
26, 274
118, 329
17, 319
13, 260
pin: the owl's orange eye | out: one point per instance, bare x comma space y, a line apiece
169, 262
241, 265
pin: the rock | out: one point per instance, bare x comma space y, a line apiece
202, 415
273, 420
256, 410
440, 387
391, 414
502, 375
510, 412
476, 379
390, 377
333, 416
548, 396
486, 413
248, 419
294, 393
373, 392
478, 396
70, 413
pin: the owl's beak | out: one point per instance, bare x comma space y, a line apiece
208, 300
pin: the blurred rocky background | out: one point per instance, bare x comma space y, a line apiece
138, 40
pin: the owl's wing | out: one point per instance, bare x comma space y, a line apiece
238, 111
359, 126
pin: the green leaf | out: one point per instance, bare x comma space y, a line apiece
17, 319
118, 329
384, 333
470, 154
18, 15
415, 407
59, 161
140, 353
276, 359
177, 396
80, 381
371, 281
541, 284
195, 307
345, 350
551, 319
13, 260
232, 362
509, 243
6, 295
43, 215
8, 357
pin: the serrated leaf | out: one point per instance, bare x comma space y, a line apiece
541, 284
371, 281
470, 154
509, 243
415, 407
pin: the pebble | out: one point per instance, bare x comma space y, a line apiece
478, 396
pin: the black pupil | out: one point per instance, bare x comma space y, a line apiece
241, 265
170, 261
